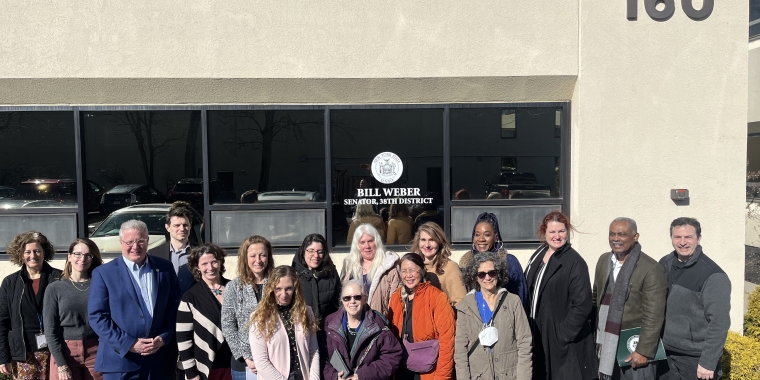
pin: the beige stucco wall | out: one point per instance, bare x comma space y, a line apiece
661, 105
279, 53
655, 105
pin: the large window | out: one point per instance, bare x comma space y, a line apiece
415, 136
279, 156
140, 158
485, 166
38, 176
282, 172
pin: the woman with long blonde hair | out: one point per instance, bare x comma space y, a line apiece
283, 331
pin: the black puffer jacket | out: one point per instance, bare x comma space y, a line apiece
12, 335
321, 288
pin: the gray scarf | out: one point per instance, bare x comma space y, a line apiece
611, 313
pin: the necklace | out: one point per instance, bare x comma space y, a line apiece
217, 291
85, 282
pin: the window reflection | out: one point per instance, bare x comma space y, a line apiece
268, 156
139, 157
358, 136
38, 167
499, 153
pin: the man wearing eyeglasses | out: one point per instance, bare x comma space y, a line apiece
133, 307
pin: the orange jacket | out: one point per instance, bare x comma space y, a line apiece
432, 318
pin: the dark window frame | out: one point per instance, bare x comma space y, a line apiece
563, 200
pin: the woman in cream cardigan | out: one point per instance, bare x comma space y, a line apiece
283, 332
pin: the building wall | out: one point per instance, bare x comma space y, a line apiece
655, 105
658, 106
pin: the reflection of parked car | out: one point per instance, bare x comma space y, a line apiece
753, 190
517, 185
7, 204
62, 190
288, 196
128, 195
106, 236
190, 190
6, 192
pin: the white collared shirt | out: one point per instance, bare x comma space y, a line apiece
616, 265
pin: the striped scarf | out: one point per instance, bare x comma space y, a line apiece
611, 313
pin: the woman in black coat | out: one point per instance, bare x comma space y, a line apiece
319, 278
560, 307
21, 300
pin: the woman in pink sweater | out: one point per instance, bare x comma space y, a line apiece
283, 331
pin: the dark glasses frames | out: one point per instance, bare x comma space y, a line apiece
357, 297
490, 273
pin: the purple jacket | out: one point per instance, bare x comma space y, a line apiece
376, 354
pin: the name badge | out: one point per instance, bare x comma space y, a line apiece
41, 341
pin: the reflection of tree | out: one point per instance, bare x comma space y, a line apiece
114, 175
145, 126
192, 139
250, 129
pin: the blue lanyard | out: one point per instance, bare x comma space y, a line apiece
39, 318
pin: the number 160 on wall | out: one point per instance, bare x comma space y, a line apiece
670, 7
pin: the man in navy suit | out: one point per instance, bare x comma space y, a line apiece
133, 308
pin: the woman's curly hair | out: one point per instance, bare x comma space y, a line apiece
470, 272
17, 246
264, 319
195, 257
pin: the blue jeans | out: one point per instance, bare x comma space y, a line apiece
238, 375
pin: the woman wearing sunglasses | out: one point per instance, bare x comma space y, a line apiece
358, 337
493, 338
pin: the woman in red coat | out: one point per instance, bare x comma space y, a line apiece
420, 312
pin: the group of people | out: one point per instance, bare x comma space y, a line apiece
170, 313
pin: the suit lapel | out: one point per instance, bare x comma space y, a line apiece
126, 279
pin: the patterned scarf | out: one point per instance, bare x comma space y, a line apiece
611, 313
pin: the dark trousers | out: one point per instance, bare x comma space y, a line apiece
141, 374
682, 367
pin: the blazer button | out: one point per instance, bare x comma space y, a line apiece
141, 317
496, 359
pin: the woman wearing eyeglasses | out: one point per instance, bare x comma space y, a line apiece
493, 339
319, 278
420, 313
358, 337
70, 338
23, 352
